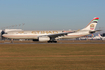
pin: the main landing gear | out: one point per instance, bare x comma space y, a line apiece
52, 41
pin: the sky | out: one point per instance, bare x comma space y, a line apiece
51, 14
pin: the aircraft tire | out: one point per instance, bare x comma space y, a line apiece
49, 41
52, 41
55, 41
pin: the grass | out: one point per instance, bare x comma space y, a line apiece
52, 56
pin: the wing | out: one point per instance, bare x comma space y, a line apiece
58, 34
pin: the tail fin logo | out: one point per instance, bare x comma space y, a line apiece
92, 26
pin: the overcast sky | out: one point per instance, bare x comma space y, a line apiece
51, 14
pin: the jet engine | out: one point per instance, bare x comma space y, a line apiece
41, 39
44, 38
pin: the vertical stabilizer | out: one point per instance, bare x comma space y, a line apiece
92, 25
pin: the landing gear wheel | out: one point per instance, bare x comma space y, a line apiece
49, 41
52, 41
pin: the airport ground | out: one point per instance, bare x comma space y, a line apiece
58, 42
52, 56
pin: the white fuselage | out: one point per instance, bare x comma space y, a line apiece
36, 34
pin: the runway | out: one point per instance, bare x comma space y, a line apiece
56, 43
59, 42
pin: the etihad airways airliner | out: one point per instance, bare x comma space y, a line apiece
52, 36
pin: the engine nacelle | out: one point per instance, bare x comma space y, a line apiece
44, 38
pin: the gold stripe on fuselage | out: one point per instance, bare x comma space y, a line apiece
44, 32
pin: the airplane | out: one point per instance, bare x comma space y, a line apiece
52, 36
97, 37
102, 38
